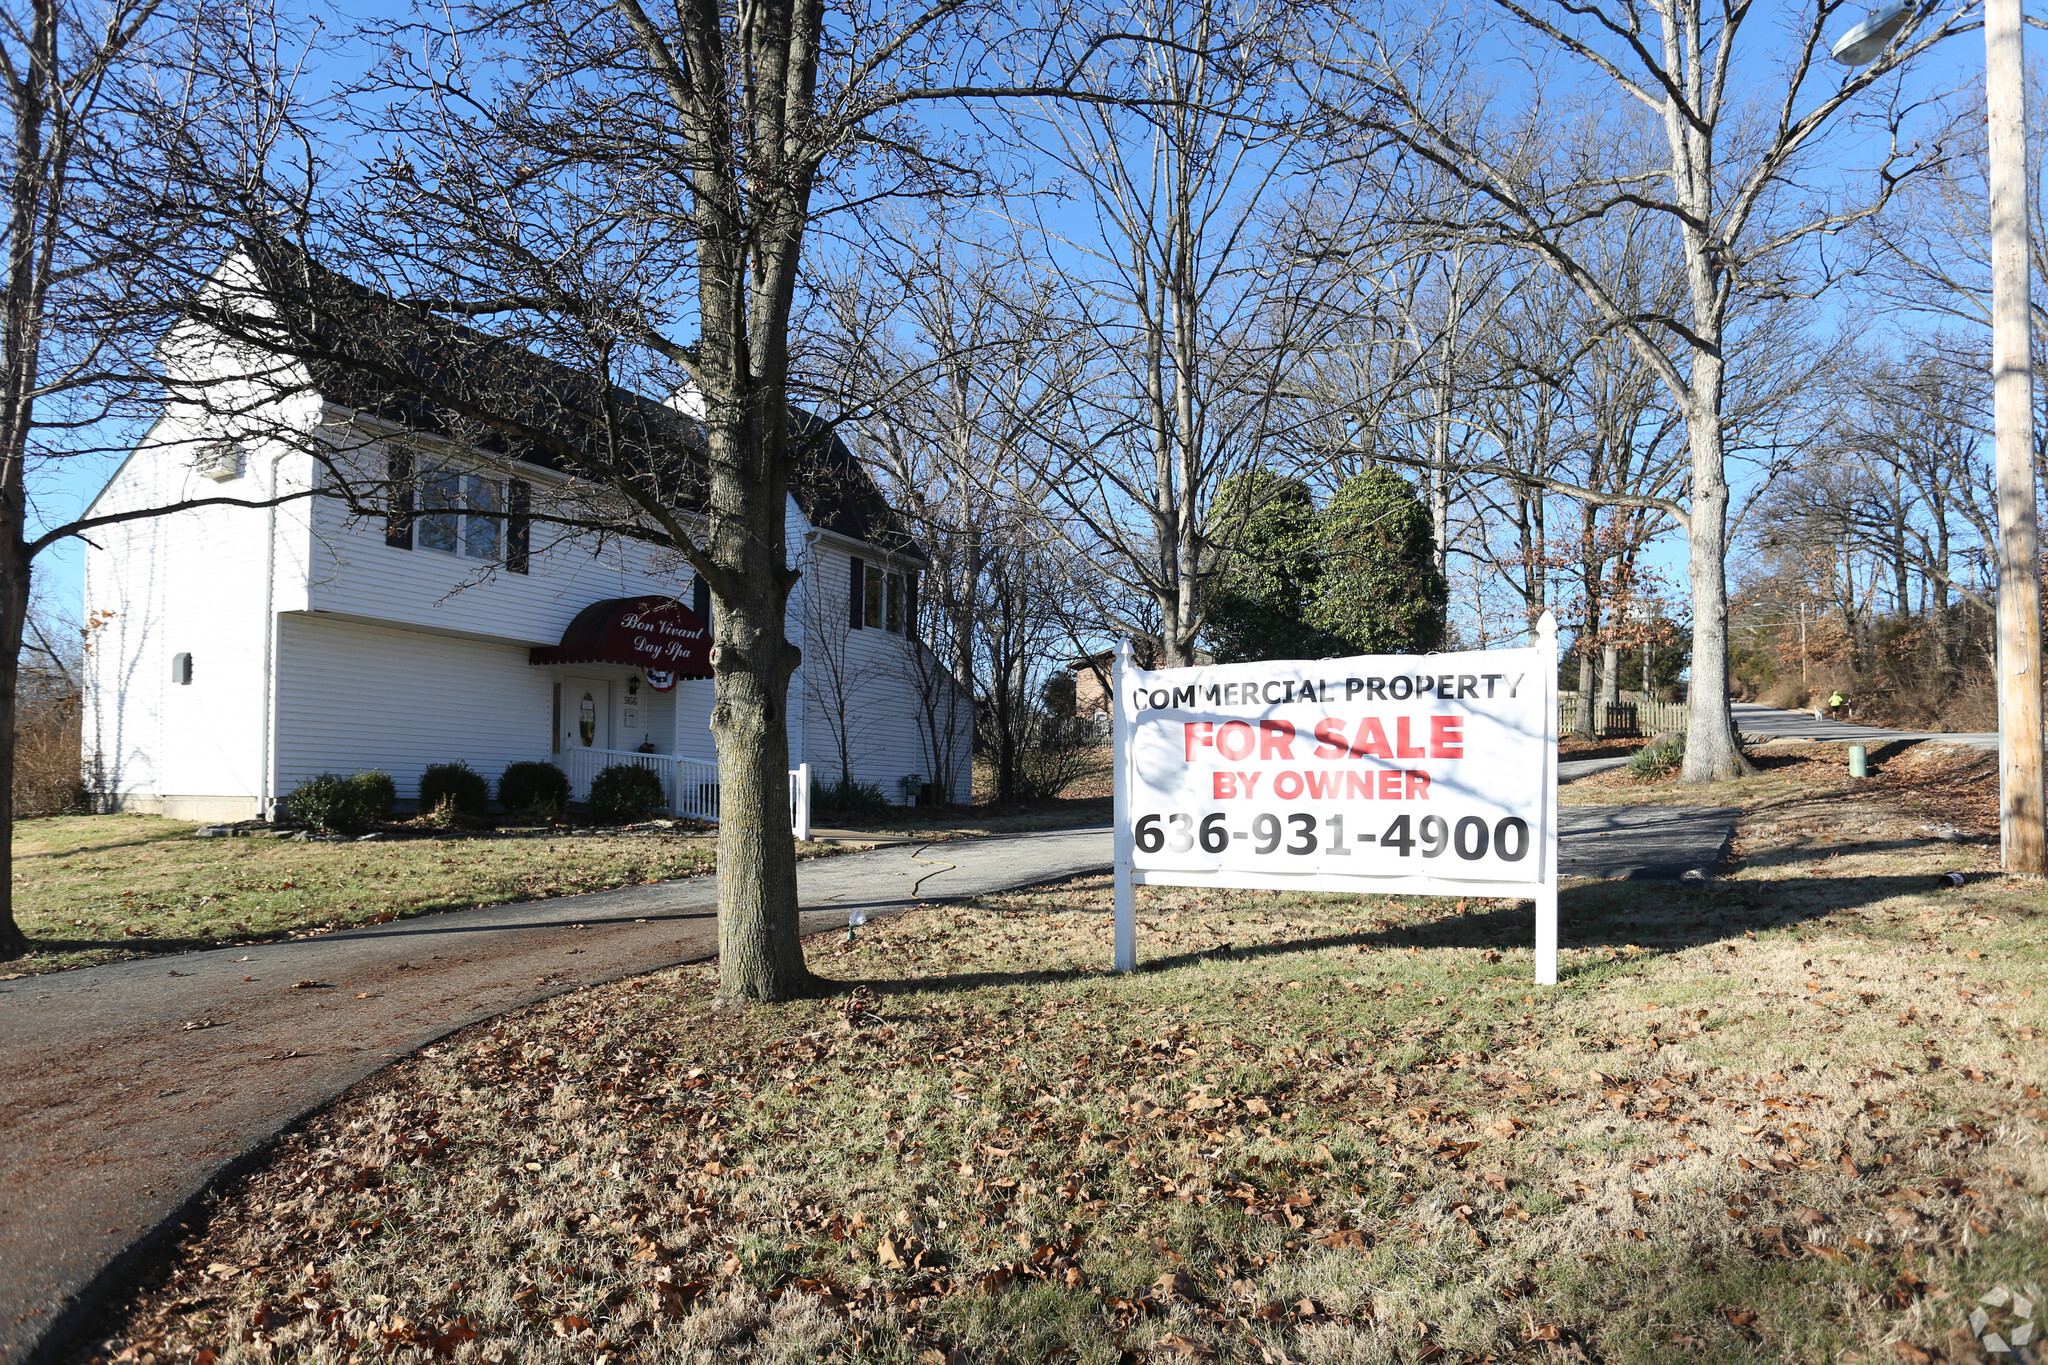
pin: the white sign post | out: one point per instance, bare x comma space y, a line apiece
1430, 775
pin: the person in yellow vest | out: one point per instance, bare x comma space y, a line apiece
1835, 705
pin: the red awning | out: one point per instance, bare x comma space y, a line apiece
657, 633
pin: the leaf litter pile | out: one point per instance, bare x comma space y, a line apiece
1753, 1124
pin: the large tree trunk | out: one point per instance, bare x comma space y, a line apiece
14, 586
760, 955
1711, 753
744, 363
20, 356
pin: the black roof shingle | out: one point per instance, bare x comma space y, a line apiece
404, 363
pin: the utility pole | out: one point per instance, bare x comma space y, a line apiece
2023, 825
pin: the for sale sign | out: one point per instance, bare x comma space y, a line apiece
1431, 774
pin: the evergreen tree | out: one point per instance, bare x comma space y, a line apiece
1260, 601
1379, 591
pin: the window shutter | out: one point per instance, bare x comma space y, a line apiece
700, 601
857, 599
398, 500
519, 526
910, 603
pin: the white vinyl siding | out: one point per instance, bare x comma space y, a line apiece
357, 575
192, 583
353, 696
393, 659
867, 675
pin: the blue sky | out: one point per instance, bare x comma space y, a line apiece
64, 492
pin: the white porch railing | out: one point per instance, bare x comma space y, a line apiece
689, 785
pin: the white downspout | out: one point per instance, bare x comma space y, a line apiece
801, 706
269, 778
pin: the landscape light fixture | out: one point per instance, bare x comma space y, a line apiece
2022, 816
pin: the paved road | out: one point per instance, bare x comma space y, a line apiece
211, 1054
84, 1181
1752, 719
1572, 769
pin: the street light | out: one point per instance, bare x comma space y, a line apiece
2022, 822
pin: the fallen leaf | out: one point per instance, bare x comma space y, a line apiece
1193, 1350
1912, 1354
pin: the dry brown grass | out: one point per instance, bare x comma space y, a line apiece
102, 888
1793, 1115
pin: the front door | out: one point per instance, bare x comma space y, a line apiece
586, 713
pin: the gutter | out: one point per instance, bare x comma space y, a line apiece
268, 798
870, 551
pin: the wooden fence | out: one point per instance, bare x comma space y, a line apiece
1621, 719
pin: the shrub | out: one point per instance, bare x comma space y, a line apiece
344, 805
848, 796
534, 789
1058, 751
1659, 758
47, 779
455, 785
626, 792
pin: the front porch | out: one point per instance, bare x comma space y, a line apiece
689, 784
638, 667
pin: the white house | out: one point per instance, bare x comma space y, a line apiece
235, 652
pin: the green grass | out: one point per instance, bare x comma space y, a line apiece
98, 888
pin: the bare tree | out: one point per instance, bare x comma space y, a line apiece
1719, 169
630, 193
106, 233
1896, 514
1192, 314
1932, 252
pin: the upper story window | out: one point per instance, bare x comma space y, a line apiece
435, 507
450, 504
882, 599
